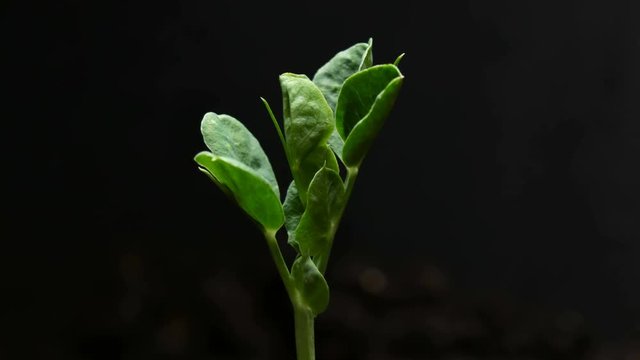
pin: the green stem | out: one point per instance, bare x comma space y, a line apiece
278, 259
305, 344
303, 317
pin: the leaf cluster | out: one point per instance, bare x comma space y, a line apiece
330, 119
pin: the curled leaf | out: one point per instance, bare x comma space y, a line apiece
330, 77
311, 285
321, 216
364, 104
239, 166
308, 124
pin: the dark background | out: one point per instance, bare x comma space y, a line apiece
496, 217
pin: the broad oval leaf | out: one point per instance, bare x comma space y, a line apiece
308, 124
239, 166
293, 210
365, 102
311, 285
227, 137
330, 77
252, 193
358, 94
322, 213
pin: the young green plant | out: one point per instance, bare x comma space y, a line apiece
331, 118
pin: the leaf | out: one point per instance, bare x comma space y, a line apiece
321, 216
330, 77
222, 187
322, 156
336, 143
365, 102
293, 210
254, 195
227, 137
308, 124
312, 286
239, 166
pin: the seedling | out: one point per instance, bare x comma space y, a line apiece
331, 118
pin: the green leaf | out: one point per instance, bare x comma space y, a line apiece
293, 210
254, 195
308, 124
336, 143
239, 166
321, 216
312, 286
222, 187
330, 77
365, 102
227, 137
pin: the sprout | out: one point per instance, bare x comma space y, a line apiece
332, 118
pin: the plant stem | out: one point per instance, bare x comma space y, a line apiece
303, 317
305, 343
281, 265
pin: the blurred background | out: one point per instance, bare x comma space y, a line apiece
496, 216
